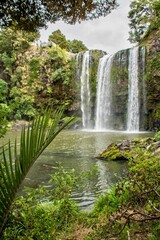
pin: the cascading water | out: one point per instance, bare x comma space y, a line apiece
143, 52
133, 91
104, 96
118, 95
85, 92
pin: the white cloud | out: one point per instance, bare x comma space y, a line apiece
109, 34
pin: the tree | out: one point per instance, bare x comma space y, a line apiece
13, 44
15, 40
76, 46
58, 38
144, 17
33, 14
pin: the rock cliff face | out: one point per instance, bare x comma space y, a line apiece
148, 84
120, 74
94, 56
153, 80
46, 76
119, 80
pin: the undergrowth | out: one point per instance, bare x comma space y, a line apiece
129, 210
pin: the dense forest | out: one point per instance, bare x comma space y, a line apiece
35, 77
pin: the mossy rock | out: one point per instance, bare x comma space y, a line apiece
116, 153
126, 150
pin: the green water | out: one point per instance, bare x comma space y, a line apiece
77, 149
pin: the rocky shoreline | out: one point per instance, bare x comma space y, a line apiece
127, 149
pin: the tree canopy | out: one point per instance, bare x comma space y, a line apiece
33, 14
144, 16
74, 46
58, 38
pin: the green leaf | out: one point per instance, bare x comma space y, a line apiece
16, 162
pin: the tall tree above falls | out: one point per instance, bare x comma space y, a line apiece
33, 14
58, 38
144, 17
74, 46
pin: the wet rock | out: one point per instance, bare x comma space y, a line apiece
17, 125
127, 149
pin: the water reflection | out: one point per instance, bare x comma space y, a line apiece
77, 149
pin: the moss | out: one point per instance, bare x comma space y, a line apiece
114, 153
153, 78
95, 56
127, 149
119, 85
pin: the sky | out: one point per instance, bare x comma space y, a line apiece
108, 33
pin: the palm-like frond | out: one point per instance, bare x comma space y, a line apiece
16, 161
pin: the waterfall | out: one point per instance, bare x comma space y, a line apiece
103, 108
85, 92
133, 91
118, 97
143, 52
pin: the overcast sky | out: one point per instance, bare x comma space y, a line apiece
109, 34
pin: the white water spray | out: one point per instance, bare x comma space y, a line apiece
133, 91
104, 96
85, 92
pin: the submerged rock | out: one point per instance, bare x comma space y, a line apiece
19, 124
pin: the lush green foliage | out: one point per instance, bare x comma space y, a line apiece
4, 109
13, 41
134, 203
152, 78
35, 77
30, 15
111, 201
157, 136
129, 209
74, 46
58, 38
13, 45
45, 214
144, 17
16, 162
32, 219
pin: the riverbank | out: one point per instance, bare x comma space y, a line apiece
126, 149
128, 210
